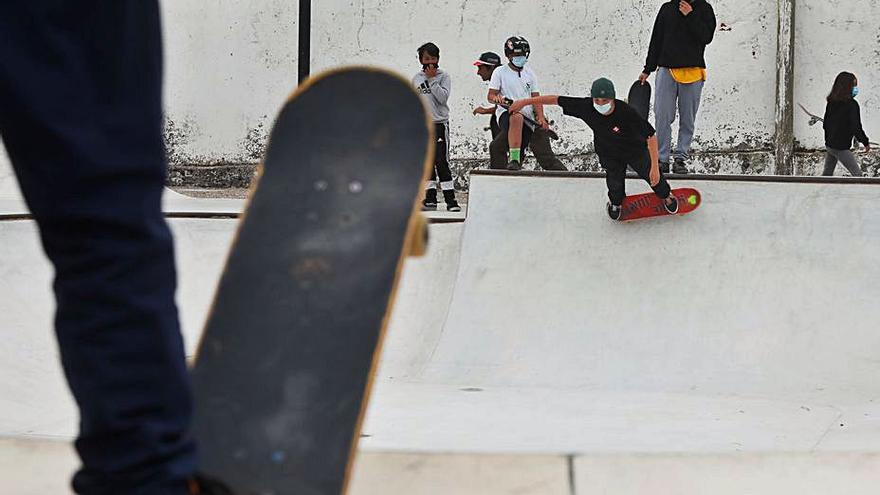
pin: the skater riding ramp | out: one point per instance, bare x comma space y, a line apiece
750, 324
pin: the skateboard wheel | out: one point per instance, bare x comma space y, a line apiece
419, 244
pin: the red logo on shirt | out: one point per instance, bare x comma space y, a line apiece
616, 129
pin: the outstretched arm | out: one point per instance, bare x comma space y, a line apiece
535, 100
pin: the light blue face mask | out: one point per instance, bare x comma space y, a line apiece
855, 91
603, 109
519, 61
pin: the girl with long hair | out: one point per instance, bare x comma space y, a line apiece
843, 122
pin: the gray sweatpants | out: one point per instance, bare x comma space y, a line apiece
846, 157
670, 94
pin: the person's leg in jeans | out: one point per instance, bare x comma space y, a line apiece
830, 162
493, 126
80, 92
688, 105
848, 159
498, 147
498, 151
641, 164
540, 146
615, 179
665, 101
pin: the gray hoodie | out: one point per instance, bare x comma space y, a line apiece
436, 91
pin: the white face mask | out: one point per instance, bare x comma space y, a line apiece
603, 109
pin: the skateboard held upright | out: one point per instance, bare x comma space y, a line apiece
284, 367
639, 98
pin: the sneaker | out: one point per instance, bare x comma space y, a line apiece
514, 165
672, 206
664, 167
679, 167
201, 485
451, 203
614, 211
430, 201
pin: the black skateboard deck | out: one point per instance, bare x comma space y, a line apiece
640, 98
284, 368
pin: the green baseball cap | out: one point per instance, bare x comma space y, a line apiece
603, 88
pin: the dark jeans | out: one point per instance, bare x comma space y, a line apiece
81, 117
615, 178
538, 141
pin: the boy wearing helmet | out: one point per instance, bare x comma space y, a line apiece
621, 137
539, 142
514, 81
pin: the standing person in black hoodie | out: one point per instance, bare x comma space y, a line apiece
682, 31
843, 122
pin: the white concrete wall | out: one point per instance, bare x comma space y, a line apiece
572, 44
230, 63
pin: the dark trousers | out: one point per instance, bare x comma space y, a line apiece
81, 118
441, 168
615, 177
538, 141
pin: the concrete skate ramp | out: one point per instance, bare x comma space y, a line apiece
748, 325
34, 399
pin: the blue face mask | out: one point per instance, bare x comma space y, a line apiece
855, 91
519, 61
603, 109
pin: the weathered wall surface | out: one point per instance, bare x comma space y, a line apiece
230, 64
573, 43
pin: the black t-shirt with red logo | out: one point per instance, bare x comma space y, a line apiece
623, 134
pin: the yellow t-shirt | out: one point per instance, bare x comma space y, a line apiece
687, 75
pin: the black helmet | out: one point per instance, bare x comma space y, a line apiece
517, 45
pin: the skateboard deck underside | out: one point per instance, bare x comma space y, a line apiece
639, 98
282, 371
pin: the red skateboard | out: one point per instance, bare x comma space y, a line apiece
649, 205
